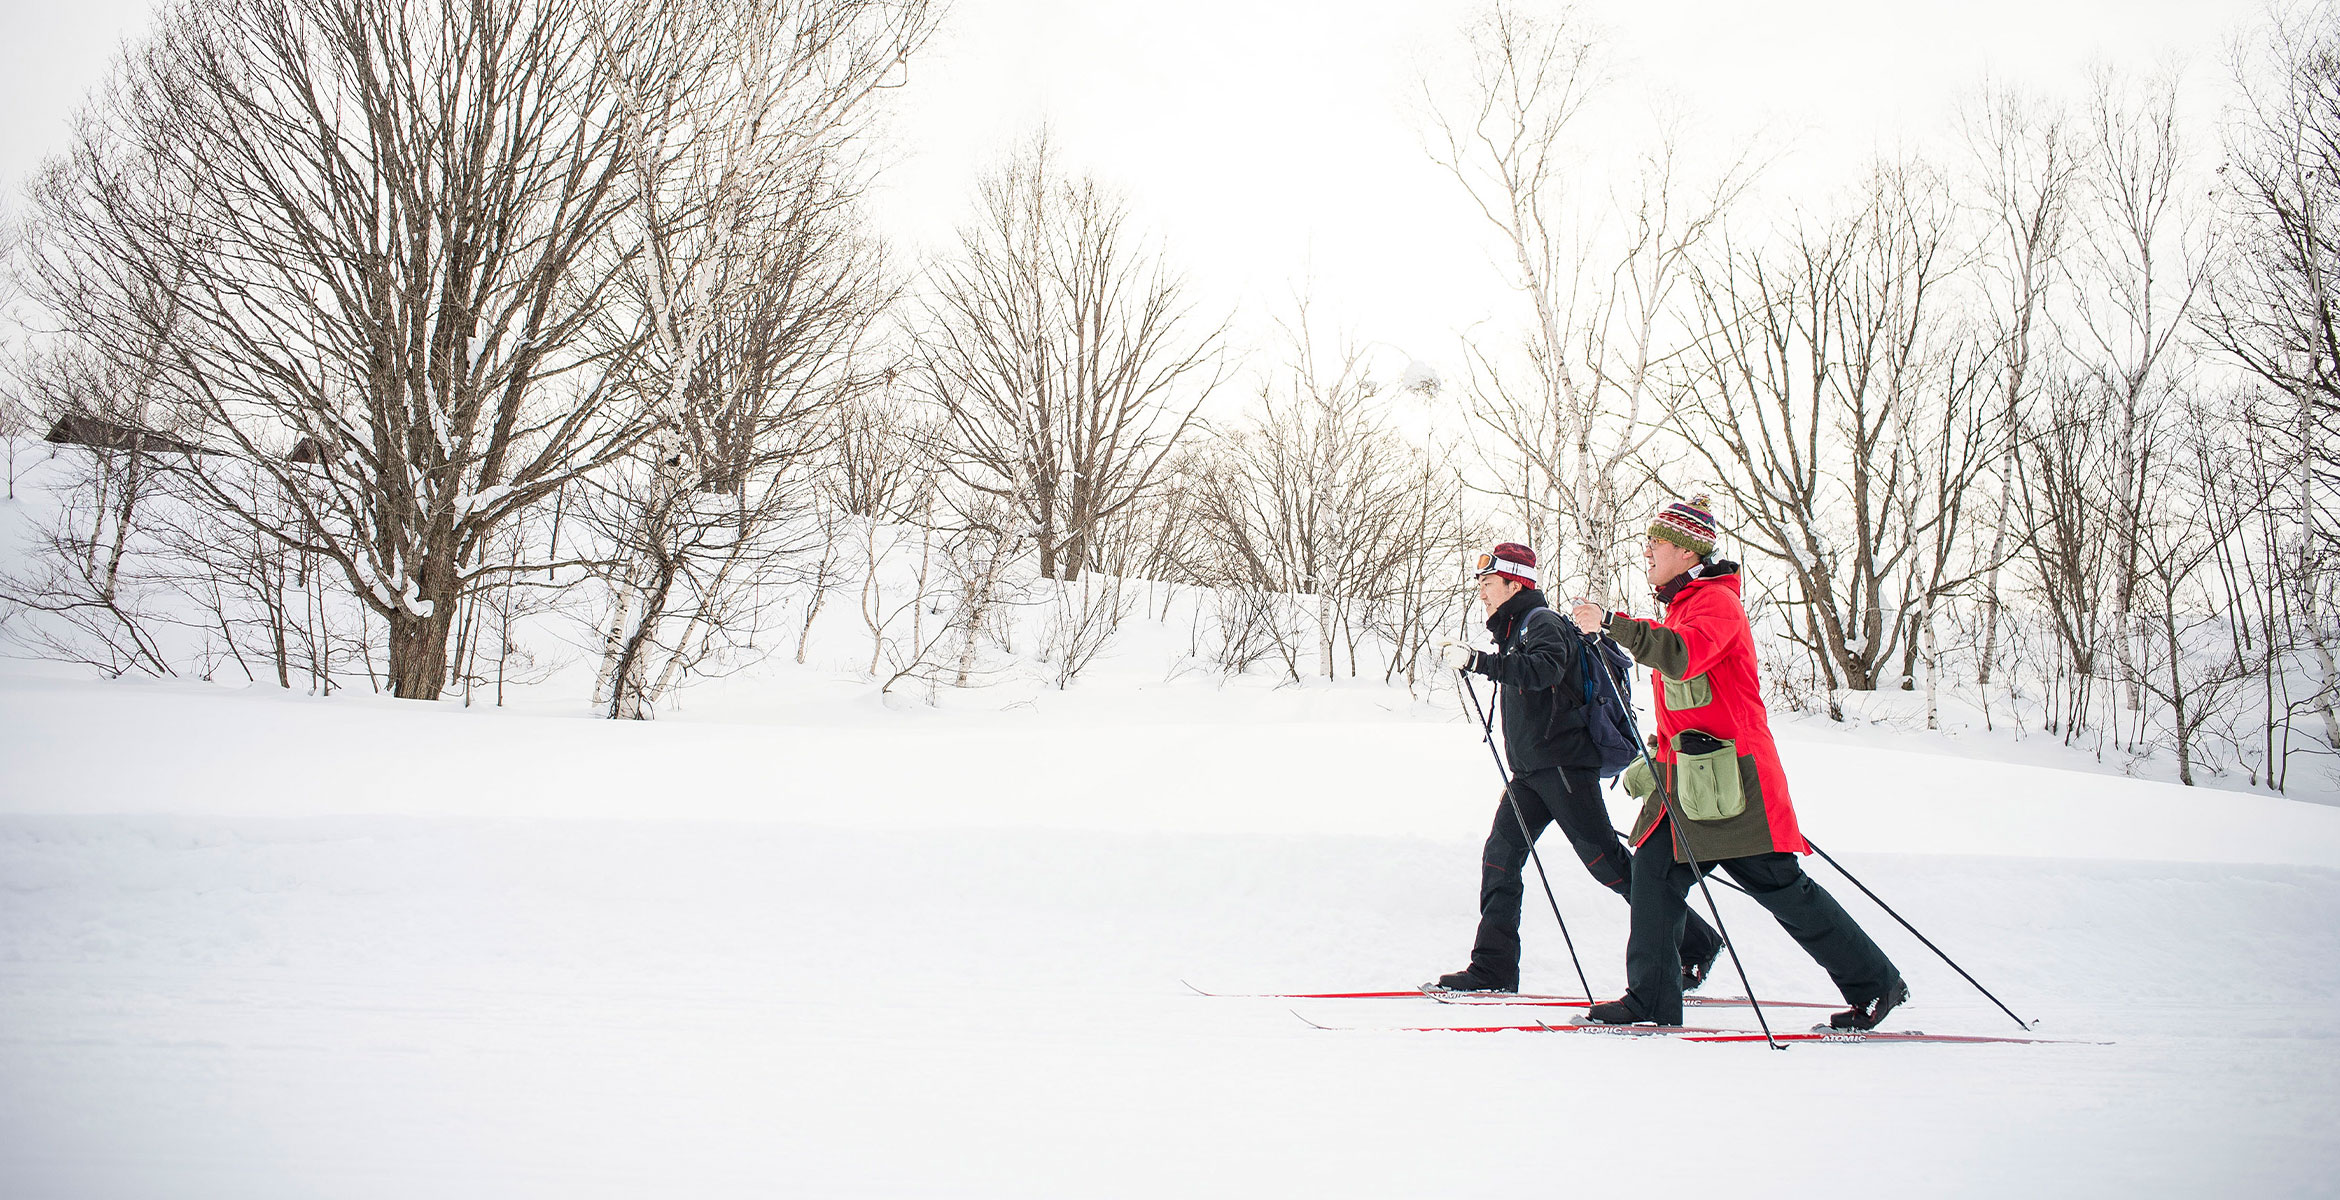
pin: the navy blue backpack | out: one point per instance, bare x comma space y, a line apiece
1605, 664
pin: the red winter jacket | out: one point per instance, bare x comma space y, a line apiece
1704, 680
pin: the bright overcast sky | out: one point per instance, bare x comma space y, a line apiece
1272, 140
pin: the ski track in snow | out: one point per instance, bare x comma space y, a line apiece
274, 947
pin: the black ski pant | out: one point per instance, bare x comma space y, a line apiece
1660, 891
1571, 800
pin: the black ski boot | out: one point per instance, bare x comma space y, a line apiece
1619, 1012
1694, 974
1469, 980
1611, 1012
1866, 1016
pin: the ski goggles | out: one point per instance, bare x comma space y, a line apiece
1488, 564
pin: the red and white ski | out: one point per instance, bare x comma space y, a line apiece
1529, 999
1693, 1033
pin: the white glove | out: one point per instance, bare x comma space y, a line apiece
1457, 654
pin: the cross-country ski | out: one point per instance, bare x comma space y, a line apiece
1685, 1033
1542, 999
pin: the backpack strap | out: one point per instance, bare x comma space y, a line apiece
1568, 631
1575, 715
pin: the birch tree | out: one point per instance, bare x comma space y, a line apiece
2187, 655
2145, 268
2098, 442
2022, 168
2274, 305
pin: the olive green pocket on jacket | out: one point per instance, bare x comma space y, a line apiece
1708, 785
1637, 780
1694, 692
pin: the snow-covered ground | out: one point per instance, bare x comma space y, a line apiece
258, 945
795, 938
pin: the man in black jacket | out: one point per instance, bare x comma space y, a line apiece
1555, 772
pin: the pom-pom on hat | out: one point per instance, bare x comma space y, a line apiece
1511, 561
1688, 524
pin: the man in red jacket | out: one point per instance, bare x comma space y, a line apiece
1718, 768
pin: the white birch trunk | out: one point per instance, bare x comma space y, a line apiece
978, 610
1933, 655
979, 601
613, 641
872, 596
1324, 633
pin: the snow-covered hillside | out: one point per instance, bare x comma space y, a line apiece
258, 945
797, 937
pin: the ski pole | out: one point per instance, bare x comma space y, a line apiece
1914, 932
1681, 834
1487, 734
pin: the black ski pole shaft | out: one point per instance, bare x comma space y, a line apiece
1914, 932
1681, 833
1487, 734
1674, 814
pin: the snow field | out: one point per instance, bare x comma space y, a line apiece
265, 953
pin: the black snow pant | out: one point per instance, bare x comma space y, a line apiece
1660, 891
1572, 801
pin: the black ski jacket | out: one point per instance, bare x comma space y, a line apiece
1539, 686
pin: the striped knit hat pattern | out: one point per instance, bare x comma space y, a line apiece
1688, 524
1510, 560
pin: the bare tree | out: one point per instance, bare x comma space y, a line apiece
1242, 628
2143, 256
2189, 658
77, 601
1318, 501
1083, 616
2066, 521
1433, 534
1161, 541
2096, 444
387, 229
2022, 168
1847, 420
87, 580
1574, 404
2245, 456
276, 608
882, 466
751, 296
1062, 355
876, 470
822, 574
980, 557
921, 652
2274, 305
17, 413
